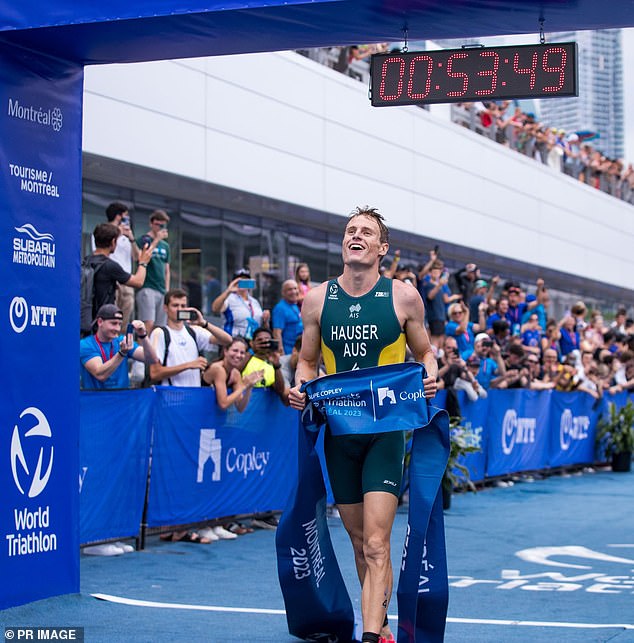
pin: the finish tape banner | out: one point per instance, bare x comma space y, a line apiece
40, 225
371, 400
114, 456
207, 463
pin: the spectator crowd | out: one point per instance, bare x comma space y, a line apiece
505, 122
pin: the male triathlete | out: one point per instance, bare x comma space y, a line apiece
358, 320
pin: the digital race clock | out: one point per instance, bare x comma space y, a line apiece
474, 74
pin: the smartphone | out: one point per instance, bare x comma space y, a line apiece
130, 333
274, 345
436, 248
125, 221
186, 315
146, 240
247, 284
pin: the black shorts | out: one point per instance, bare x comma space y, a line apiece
436, 327
361, 463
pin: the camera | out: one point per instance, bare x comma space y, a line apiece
487, 342
186, 315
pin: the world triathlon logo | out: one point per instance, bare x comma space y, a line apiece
333, 291
53, 117
26, 466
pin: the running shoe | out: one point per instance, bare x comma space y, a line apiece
209, 533
223, 534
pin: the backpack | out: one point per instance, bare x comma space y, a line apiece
87, 294
168, 338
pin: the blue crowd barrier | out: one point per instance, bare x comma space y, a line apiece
207, 463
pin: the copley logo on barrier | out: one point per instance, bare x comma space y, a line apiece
39, 315
31, 469
517, 430
33, 248
52, 117
235, 461
572, 428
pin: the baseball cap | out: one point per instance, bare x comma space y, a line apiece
108, 311
481, 283
481, 336
530, 298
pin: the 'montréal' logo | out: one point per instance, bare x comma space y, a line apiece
572, 428
52, 117
22, 315
517, 431
25, 470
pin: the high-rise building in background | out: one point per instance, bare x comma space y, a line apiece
599, 106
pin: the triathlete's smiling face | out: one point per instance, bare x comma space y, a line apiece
362, 241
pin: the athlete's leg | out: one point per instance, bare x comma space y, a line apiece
379, 509
352, 519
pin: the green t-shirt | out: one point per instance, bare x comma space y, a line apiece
155, 278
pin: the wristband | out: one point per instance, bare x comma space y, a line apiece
142, 263
206, 325
141, 336
277, 367
120, 353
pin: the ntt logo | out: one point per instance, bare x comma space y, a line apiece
21, 315
572, 428
517, 430
53, 118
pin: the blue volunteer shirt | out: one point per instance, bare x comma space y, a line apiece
288, 319
89, 348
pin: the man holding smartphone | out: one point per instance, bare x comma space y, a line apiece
104, 355
149, 299
181, 343
287, 319
125, 252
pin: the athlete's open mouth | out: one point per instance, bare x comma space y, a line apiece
355, 246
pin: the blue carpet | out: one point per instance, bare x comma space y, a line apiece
490, 583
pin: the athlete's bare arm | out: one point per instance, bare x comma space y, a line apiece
308, 362
410, 310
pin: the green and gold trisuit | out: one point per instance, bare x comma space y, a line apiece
358, 332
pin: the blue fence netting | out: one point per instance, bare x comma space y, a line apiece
206, 464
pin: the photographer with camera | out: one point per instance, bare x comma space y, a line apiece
180, 344
242, 311
491, 367
266, 358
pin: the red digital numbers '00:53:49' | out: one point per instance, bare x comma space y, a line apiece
474, 74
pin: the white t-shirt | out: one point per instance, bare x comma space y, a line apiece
182, 349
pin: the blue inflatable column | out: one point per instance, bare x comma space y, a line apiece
40, 215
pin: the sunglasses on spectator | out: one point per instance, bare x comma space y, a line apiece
532, 361
457, 312
513, 291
